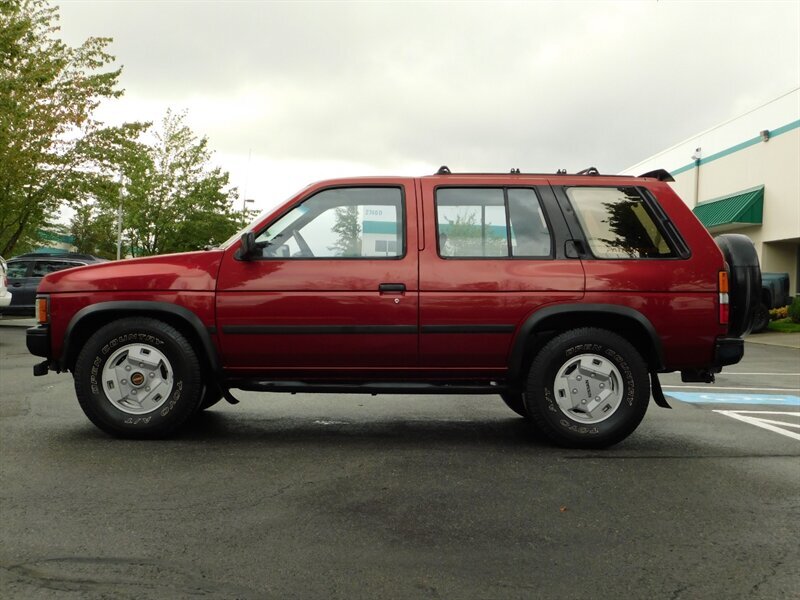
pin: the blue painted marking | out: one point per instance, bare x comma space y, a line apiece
714, 398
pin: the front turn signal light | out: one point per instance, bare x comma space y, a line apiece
42, 310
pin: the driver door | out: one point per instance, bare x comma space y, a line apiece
332, 289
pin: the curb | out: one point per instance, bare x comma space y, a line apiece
6, 322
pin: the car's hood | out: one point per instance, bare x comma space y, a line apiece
195, 271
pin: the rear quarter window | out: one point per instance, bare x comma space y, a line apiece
618, 224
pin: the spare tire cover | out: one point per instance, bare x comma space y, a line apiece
744, 278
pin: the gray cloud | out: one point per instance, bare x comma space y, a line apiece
478, 86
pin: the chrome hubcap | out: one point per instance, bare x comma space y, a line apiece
137, 379
588, 388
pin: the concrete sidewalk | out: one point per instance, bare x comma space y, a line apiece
775, 338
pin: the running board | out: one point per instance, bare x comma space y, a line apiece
304, 387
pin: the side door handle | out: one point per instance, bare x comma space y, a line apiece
389, 288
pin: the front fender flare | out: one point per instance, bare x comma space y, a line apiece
129, 307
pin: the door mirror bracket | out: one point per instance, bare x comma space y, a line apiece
248, 248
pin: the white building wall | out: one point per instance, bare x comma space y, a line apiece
733, 158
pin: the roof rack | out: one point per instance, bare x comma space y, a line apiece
445, 170
660, 174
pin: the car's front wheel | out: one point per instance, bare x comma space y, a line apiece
138, 377
587, 388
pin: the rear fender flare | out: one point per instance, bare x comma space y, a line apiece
538, 322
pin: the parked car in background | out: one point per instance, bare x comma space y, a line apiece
774, 294
26, 271
5, 295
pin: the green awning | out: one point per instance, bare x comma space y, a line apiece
740, 209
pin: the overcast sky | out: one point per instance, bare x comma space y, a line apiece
317, 90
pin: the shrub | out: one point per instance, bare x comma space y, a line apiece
794, 310
776, 314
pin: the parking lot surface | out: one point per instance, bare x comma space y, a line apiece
348, 496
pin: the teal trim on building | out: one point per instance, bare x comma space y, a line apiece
746, 144
379, 227
52, 236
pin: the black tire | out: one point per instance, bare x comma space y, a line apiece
761, 318
515, 402
564, 351
211, 395
182, 393
744, 281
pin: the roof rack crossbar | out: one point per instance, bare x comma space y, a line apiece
589, 171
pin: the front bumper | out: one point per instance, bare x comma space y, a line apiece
38, 340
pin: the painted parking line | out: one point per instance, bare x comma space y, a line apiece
716, 398
735, 388
776, 421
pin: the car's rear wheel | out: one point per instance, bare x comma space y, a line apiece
587, 388
761, 318
138, 377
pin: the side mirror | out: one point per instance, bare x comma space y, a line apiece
248, 248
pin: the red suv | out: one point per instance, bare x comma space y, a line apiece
564, 294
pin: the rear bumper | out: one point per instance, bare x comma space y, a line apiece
728, 351
38, 340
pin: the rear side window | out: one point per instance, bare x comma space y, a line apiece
43, 267
618, 223
17, 269
491, 223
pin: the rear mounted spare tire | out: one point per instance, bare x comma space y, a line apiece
744, 279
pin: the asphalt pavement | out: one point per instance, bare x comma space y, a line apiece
348, 496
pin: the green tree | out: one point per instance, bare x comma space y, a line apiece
52, 151
348, 229
94, 231
172, 199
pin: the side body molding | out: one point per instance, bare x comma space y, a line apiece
582, 312
142, 307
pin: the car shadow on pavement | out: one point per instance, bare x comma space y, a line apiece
211, 426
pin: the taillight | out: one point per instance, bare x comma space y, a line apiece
724, 299
42, 310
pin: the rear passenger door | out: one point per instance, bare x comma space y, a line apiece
493, 255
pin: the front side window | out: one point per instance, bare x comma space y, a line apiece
491, 223
339, 223
617, 223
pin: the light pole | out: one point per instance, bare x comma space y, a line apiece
245, 202
119, 219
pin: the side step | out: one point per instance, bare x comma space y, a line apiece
305, 387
